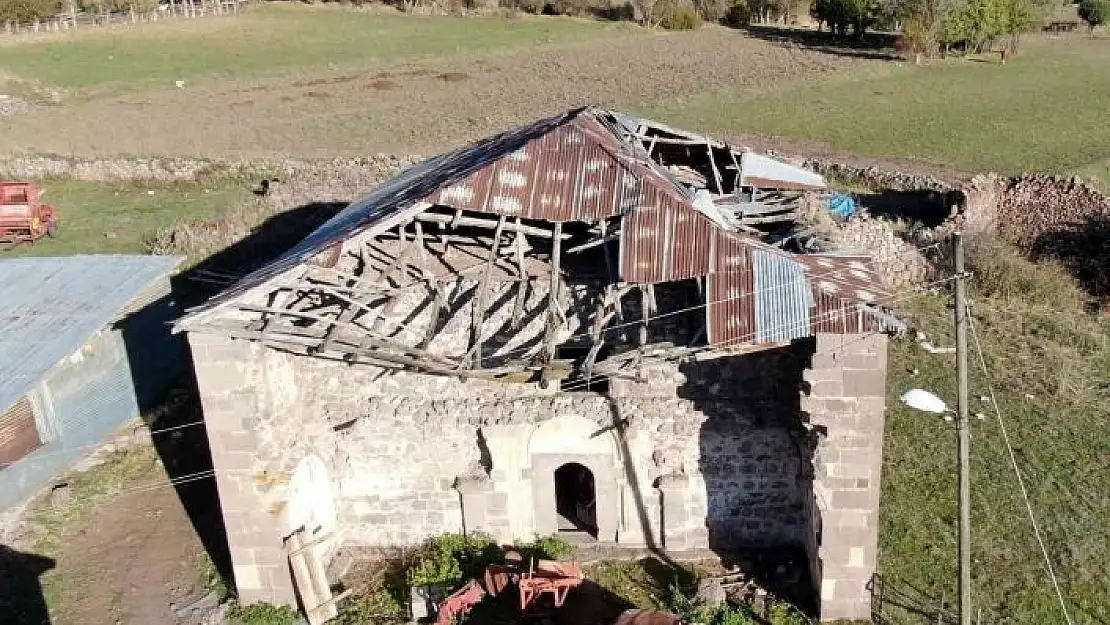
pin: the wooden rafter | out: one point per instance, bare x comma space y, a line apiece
478, 318
553, 294
522, 286
439, 303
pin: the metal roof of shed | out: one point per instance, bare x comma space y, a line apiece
49, 307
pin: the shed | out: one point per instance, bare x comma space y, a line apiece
84, 346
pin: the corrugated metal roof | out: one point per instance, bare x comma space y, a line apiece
50, 306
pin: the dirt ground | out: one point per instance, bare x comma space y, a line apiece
419, 108
135, 560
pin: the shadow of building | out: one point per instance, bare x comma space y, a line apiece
21, 596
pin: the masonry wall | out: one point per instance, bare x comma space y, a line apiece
846, 407
705, 455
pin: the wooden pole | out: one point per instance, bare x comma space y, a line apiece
962, 431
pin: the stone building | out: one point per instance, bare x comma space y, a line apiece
564, 328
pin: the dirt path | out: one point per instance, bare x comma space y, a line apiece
415, 109
132, 559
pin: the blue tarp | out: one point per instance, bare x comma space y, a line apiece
842, 205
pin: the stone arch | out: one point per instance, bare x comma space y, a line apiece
572, 434
568, 439
310, 503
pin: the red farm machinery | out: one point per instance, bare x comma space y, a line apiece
24, 218
543, 577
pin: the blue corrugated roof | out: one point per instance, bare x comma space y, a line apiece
50, 306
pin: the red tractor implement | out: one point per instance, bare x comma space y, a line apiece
24, 218
545, 577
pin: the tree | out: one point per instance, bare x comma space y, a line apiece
843, 16
1094, 12
28, 10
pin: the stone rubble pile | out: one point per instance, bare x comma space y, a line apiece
1032, 207
899, 262
875, 177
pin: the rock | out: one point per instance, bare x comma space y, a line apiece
206, 603
710, 592
59, 495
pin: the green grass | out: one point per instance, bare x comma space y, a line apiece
1046, 110
118, 218
1050, 361
276, 39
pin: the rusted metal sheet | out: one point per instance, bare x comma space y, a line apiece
665, 241
848, 277
19, 435
731, 310
578, 171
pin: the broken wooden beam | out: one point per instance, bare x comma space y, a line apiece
458, 220
553, 294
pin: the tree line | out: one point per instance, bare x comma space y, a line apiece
928, 27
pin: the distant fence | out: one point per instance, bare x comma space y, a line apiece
168, 10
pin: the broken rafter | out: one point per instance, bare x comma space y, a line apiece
438, 301
478, 318
601, 318
602, 240
522, 285
458, 220
350, 311
716, 172
374, 341
553, 295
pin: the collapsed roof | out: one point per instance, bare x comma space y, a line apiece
567, 219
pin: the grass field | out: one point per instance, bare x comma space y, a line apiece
1049, 359
105, 218
1046, 110
275, 39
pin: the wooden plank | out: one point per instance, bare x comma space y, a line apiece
522, 286
553, 294
438, 301
478, 318
302, 575
459, 220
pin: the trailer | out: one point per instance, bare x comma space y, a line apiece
24, 218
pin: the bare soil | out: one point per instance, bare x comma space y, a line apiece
421, 108
134, 561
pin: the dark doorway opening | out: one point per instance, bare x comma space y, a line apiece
576, 499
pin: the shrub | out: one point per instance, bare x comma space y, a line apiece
450, 558
262, 614
28, 10
436, 565
1094, 12
679, 15
545, 548
738, 14
783, 613
712, 10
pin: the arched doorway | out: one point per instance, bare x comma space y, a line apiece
576, 499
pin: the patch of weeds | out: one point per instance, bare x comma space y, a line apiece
380, 606
213, 581
545, 548
119, 472
262, 614
647, 584
783, 613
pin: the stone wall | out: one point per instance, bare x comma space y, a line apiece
846, 407
708, 455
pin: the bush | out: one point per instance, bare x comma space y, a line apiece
451, 558
262, 614
738, 14
785, 614
1094, 12
712, 10
545, 548
679, 15
28, 10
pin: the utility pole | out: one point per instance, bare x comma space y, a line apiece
964, 443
